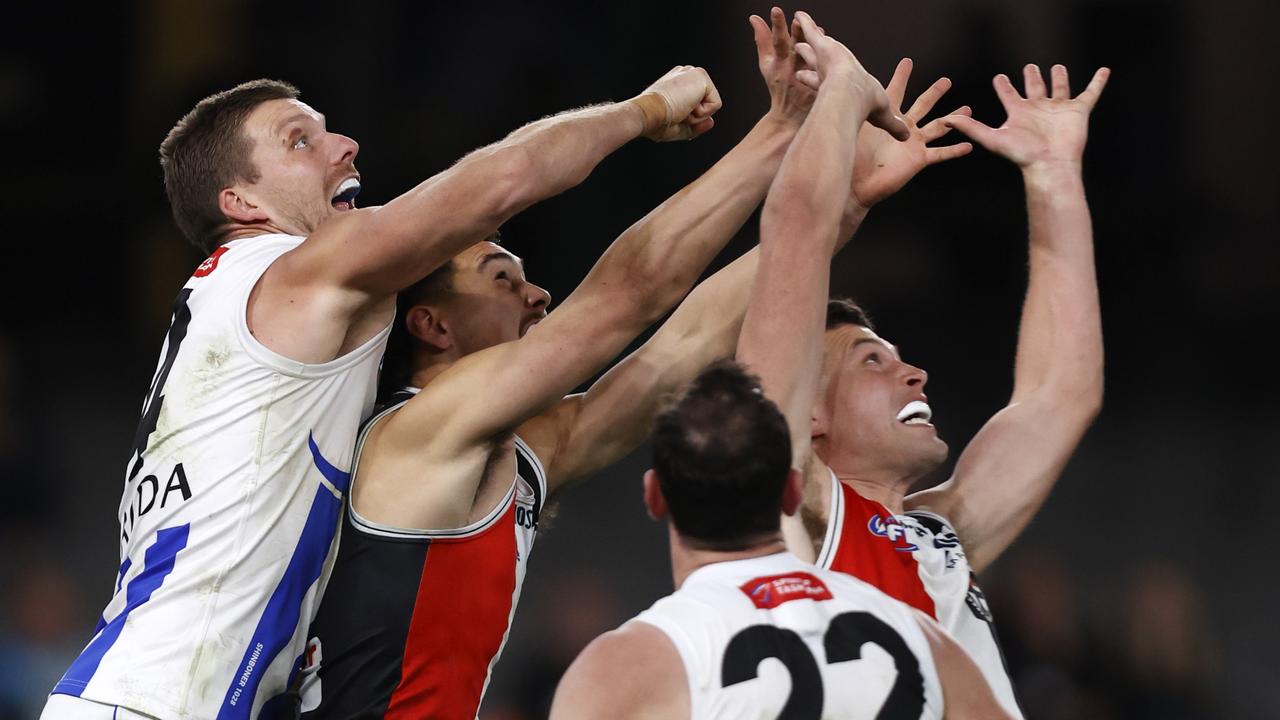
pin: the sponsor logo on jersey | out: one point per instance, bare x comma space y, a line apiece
210, 263
770, 592
892, 529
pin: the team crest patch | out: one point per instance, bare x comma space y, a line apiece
770, 592
210, 263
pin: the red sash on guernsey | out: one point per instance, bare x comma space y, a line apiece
875, 546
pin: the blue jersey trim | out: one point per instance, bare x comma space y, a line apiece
280, 619
124, 570
336, 477
158, 563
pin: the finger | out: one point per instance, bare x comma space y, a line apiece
897, 87
928, 99
1033, 81
1091, 93
939, 127
976, 130
698, 128
949, 152
760, 32
711, 101
809, 78
807, 53
781, 38
1061, 84
1004, 90
884, 119
797, 32
703, 111
810, 28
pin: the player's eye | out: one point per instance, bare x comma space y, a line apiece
301, 142
872, 359
502, 275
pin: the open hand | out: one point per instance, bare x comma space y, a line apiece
790, 99
829, 58
882, 165
1040, 127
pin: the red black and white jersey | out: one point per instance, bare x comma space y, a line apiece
917, 559
773, 637
412, 622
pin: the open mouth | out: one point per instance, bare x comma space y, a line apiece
916, 412
528, 324
345, 197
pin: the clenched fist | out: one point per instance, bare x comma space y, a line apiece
679, 105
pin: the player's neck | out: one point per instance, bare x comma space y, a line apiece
429, 370
686, 558
889, 492
253, 230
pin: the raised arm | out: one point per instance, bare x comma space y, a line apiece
588, 431
1003, 476
799, 228
595, 429
354, 263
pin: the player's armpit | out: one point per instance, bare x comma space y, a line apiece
965, 692
1004, 476
632, 673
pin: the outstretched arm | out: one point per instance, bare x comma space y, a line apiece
1005, 474
595, 429
586, 432
355, 262
799, 229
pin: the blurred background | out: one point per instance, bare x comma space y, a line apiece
1145, 589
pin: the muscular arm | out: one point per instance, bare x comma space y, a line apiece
632, 673
798, 231
1007, 471
586, 432
354, 263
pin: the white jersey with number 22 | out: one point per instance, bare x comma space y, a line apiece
773, 637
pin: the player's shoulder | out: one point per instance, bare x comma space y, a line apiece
632, 672
234, 259
930, 520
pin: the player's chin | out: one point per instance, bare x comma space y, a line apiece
929, 452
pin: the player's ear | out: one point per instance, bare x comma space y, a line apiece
792, 492
424, 323
654, 501
236, 204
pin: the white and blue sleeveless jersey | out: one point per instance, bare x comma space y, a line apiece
231, 501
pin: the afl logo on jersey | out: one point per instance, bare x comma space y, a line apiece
892, 529
210, 263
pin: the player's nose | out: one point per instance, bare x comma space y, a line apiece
536, 297
915, 377
345, 149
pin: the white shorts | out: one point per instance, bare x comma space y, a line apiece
66, 707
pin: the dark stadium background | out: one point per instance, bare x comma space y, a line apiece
1147, 588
